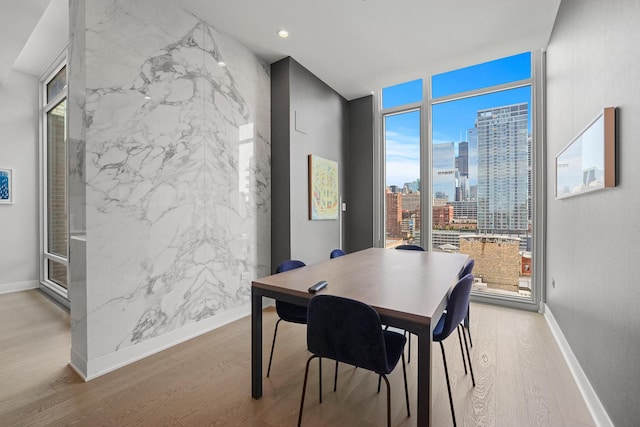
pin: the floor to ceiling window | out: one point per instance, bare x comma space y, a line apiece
479, 159
401, 116
53, 154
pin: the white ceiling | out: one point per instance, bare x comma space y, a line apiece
355, 46
32, 34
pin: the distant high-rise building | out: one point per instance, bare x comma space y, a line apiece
462, 161
473, 156
412, 187
444, 171
503, 180
465, 191
395, 189
442, 216
410, 201
465, 210
394, 214
473, 192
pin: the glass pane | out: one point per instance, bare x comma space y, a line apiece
57, 180
500, 71
404, 93
57, 84
482, 186
402, 198
57, 273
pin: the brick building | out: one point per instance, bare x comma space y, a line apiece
497, 259
442, 216
394, 214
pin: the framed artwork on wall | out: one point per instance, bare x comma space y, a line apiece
6, 183
323, 188
588, 162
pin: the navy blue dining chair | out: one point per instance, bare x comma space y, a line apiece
410, 248
467, 269
336, 253
451, 319
286, 311
350, 331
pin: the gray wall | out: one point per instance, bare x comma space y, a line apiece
308, 117
280, 193
359, 217
592, 239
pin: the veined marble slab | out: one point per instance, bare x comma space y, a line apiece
177, 159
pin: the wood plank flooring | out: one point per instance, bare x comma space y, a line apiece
521, 378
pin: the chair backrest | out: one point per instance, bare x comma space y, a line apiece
457, 305
290, 264
467, 269
410, 247
286, 310
348, 331
336, 253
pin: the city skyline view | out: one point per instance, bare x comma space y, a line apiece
451, 120
478, 168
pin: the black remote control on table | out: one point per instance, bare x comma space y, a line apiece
318, 286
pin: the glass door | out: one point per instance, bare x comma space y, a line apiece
54, 268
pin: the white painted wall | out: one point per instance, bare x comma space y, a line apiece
19, 151
593, 240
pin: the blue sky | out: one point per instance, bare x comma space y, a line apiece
451, 120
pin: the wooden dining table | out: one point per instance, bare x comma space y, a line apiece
407, 288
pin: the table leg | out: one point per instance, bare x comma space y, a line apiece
256, 344
424, 379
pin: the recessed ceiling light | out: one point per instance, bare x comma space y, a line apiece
222, 63
283, 34
147, 97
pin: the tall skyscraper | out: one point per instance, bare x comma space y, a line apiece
444, 171
503, 181
462, 161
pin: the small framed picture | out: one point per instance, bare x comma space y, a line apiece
6, 190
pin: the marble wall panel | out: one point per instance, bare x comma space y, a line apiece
177, 164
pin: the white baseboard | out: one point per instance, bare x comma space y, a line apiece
78, 364
93, 368
596, 409
6, 288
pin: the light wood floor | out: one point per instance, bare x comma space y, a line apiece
521, 378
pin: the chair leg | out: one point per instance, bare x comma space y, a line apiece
320, 378
406, 389
466, 326
388, 400
469, 334
446, 373
473, 380
273, 344
304, 389
379, 381
409, 349
464, 362
335, 378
